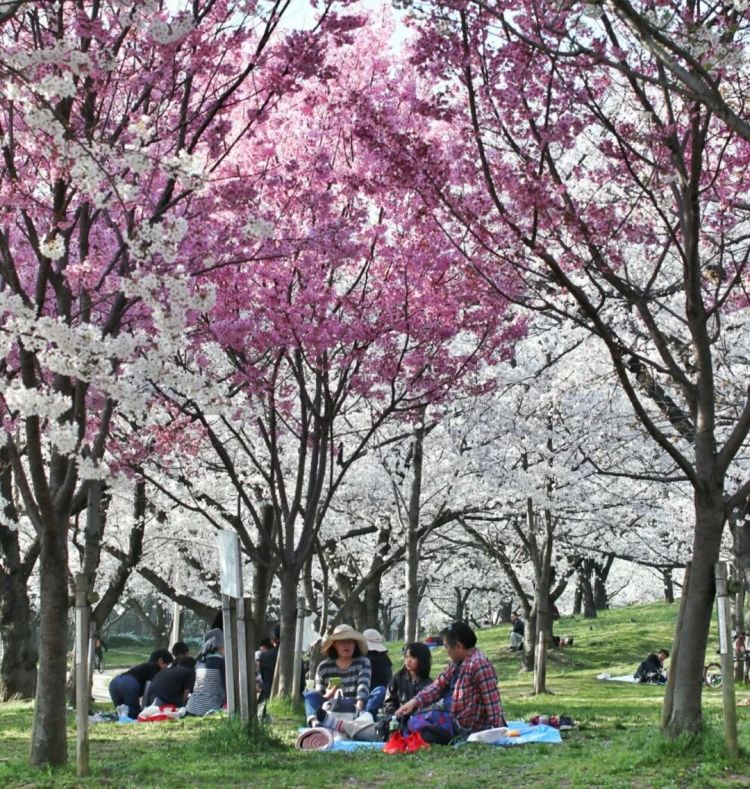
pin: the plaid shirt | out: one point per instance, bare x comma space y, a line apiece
476, 701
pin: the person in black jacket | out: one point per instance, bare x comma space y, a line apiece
652, 668
174, 684
413, 677
382, 669
128, 687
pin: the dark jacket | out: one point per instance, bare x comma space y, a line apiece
401, 689
266, 669
381, 667
650, 670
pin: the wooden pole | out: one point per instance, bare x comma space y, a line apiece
229, 617
297, 677
727, 662
246, 661
540, 663
82, 675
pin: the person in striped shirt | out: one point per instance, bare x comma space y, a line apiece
210, 690
342, 681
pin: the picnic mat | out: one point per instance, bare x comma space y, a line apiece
605, 677
527, 733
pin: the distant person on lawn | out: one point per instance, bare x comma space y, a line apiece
652, 668
516, 633
468, 687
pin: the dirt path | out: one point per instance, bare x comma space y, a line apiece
101, 682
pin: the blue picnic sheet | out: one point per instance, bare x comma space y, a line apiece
529, 732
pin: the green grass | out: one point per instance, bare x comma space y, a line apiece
616, 744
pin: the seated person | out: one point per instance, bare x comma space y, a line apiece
468, 687
342, 680
128, 687
266, 661
404, 685
210, 689
516, 633
381, 668
652, 668
173, 685
413, 677
180, 649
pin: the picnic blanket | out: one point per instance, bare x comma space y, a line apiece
527, 733
605, 677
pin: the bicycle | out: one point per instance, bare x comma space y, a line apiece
712, 673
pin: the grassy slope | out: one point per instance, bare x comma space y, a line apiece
617, 742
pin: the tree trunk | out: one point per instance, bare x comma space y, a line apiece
263, 572
578, 598
18, 653
687, 676
49, 735
666, 575
601, 573
411, 612
288, 620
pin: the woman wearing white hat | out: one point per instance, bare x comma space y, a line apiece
382, 669
342, 681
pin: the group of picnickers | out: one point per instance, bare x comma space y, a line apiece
355, 691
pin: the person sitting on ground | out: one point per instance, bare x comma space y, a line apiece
174, 684
404, 685
652, 668
342, 681
413, 677
516, 633
129, 687
468, 687
180, 649
267, 662
381, 668
210, 689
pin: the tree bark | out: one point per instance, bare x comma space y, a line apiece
687, 676
18, 652
288, 620
411, 609
18, 658
666, 575
49, 734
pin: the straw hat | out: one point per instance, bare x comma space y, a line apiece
375, 642
345, 633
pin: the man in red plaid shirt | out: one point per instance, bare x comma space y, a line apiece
469, 683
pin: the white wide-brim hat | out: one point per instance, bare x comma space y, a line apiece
345, 633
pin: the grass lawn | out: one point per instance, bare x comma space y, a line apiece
616, 744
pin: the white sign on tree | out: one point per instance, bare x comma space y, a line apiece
229, 564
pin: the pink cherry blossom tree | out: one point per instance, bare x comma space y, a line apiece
112, 117
599, 175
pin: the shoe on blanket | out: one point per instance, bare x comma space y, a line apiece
415, 742
566, 723
318, 739
396, 743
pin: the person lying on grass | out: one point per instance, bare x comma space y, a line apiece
468, 687
342, 681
